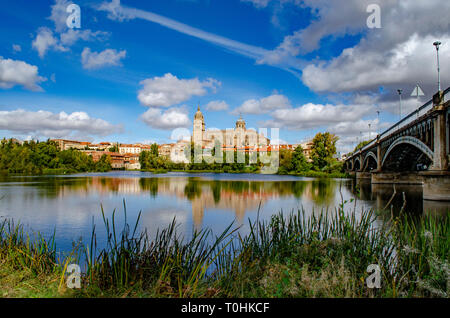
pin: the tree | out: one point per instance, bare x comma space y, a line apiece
104, 164
299, 162
154, 150
323, 150
360, 145
114, 148
285, 161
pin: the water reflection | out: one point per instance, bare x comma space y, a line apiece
71, 204
388, 196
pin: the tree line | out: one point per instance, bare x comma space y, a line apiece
323, 160
34, 157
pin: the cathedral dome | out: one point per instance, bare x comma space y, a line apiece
240, 123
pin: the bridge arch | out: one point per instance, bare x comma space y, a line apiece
408, 152
370, 161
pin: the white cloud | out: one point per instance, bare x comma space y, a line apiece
45, 40
54, 125
72, 36
14, 72
59, 14
263, 105
118, 12
176, 117
169, 90
316, 115
359, 69
61, 37
95, 60
217, 105
355, 128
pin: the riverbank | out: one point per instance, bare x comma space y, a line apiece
290, 256
307, 174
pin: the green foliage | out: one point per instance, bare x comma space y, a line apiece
114, 148
360, 145
151, 160
295, 255
299, 161
323, 150
44, 157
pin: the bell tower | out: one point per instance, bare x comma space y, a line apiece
199, 128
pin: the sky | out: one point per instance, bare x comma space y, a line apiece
136, 71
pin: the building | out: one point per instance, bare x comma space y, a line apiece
238, 137
64, 144
133, 149
131, 162
165, 149
307, 149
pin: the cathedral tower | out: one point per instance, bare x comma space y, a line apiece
199, 128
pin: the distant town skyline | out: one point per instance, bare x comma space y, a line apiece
135, 70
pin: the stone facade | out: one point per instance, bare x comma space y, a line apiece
238, 137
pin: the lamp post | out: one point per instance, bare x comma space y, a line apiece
378, 123
400, 91
437, 44
370, 132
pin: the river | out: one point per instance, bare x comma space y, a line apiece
71, 204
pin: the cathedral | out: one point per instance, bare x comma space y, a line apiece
237, 137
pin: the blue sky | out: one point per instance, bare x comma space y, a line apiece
137, 70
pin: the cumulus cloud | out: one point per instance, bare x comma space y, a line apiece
217, 105
59, 15
169, 90
60, 38
54, 125
14, 72
95, 60
46, 40
176, 117
263, 105
359, 69
316, 115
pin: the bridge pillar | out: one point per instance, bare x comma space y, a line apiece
440, 161
379, 159
361, 161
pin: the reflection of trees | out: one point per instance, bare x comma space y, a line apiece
321, 191
216, 189
192, 189
149, 184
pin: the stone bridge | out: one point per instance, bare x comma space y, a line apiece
413, 151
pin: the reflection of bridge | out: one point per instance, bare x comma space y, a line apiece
413, 151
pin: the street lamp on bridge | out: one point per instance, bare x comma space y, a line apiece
378, 122
400, 91
437, 44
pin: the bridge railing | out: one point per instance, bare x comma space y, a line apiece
422, 110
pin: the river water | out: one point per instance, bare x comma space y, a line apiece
71, 204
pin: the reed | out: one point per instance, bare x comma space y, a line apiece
21, 250
325, 254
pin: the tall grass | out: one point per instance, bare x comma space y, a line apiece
22, 251
167, 264
294, 255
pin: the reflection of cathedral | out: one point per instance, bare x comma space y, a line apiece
237, 137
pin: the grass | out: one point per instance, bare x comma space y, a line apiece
290, 255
